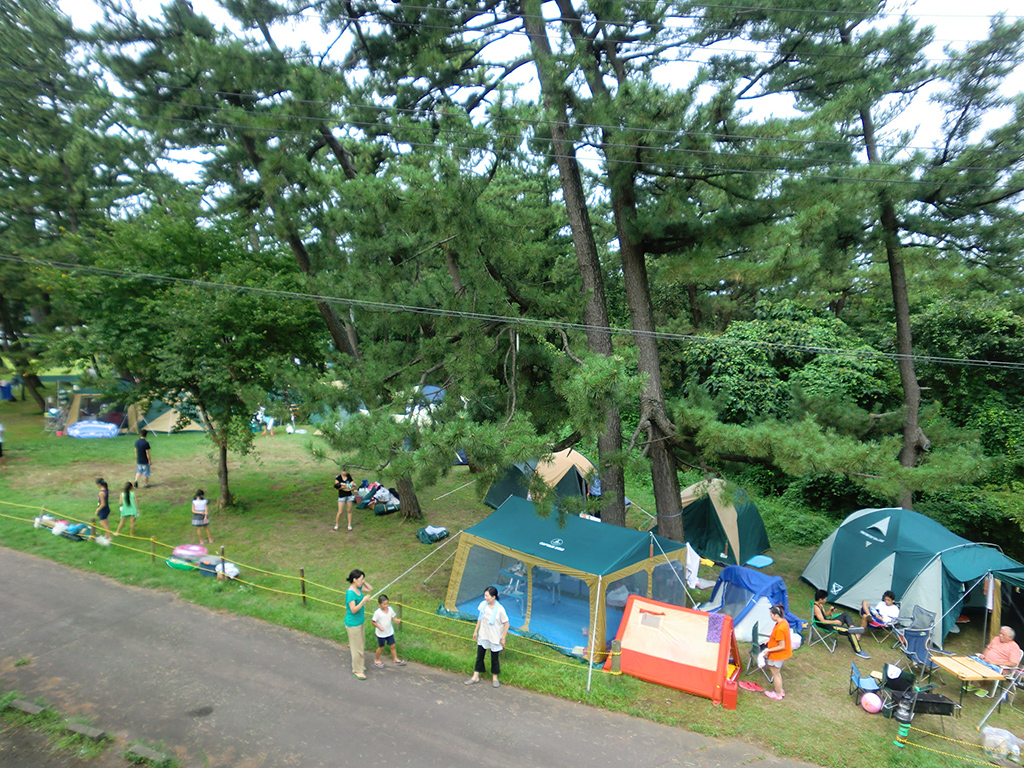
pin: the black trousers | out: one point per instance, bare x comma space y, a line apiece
481, 652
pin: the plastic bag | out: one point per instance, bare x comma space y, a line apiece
1000, 744
762, 659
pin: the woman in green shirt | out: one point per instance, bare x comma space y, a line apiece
356, 597
129, 509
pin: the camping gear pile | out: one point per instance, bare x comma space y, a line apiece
64, 529
383, 501
431, 534
193, 557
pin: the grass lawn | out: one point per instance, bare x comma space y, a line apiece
283, 523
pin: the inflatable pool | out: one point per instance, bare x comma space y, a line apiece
189, 551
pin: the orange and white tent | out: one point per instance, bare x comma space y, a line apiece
685, 649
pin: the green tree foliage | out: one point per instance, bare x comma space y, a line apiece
199, 341
65, 167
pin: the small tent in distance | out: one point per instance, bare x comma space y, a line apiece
567, 584
691, 651
920, 560
160, 418
721, 523
567, 473
89, 407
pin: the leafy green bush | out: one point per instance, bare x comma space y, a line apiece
794, 525
978, 515
834, 496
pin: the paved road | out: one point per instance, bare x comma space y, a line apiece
223, 691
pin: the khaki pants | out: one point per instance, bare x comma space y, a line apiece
356, 645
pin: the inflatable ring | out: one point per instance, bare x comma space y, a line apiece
189, 551
180, 565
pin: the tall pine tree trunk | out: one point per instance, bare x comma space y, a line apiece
410, 503
653, 413
915, 442
595, 313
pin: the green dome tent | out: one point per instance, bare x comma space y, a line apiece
721, 523
922, 562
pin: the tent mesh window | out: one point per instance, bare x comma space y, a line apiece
615, 598
668, 584
482, 569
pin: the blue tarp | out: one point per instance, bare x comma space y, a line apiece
741, 588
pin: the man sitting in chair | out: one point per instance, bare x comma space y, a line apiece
1003, 652
838, 622
885, 614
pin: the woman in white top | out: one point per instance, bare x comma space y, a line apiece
489, 633
201, 516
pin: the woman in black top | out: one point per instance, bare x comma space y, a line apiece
103, 505
345, 486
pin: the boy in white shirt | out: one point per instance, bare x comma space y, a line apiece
885, 614
382, 626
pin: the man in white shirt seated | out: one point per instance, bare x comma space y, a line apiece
885, 614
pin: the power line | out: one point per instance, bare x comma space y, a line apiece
390, 307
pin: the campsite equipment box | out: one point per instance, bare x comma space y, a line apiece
208, 565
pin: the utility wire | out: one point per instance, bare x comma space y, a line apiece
390, 307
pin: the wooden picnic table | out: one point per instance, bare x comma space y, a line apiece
966, 670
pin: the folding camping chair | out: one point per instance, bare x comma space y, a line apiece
859, 684
825, 634
883, 631
917, 652
1007, 691
755, 650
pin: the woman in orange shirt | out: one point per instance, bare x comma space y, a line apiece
779, 648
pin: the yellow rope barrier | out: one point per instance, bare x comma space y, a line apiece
949, 754
405, 606
947, 738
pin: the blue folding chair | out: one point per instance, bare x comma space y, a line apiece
859, 684
917, 652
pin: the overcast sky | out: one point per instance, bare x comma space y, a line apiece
956, 23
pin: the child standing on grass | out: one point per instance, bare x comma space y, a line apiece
779, 648
382, 626
129, 509
201, 516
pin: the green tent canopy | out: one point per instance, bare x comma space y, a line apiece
921, 561
562, 578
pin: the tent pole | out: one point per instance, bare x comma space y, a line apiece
593, 633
